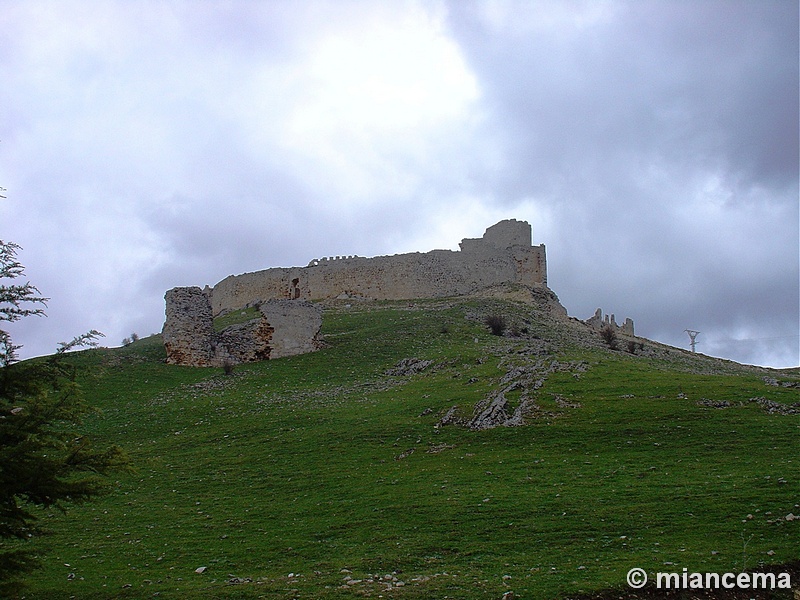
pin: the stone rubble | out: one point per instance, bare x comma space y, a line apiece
714, 403
776, 408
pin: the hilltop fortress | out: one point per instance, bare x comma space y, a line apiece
503, 254
287, 321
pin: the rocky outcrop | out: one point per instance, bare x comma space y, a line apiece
409, 366
496, 411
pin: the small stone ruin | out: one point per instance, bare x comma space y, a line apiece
599, 322
283, 328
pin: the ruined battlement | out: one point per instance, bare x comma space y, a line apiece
599, 322
503, 255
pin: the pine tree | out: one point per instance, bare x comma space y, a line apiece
44, 460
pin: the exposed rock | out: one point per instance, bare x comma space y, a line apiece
437, 448
776, 408
775, 383
714, 403
494, 410
525, 407
562, 402
450, 418
409, 366
405, 454
496, 413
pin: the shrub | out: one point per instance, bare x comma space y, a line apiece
633, 347
609, 337
496, 324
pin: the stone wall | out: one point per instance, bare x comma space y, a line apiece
296, 326
597, 321
289, 323
284, 328
503, 255
189, 328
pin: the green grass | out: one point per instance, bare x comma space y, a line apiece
301, 466
235, 317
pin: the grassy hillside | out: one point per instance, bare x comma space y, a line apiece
322, 476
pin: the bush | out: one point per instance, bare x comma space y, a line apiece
633, 347
496, 324
609, 337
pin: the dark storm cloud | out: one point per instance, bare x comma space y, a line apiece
665, 136
697, 85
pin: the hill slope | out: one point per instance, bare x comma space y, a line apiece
330, 475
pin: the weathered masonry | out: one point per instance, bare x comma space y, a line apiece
279, 328
504, 254
599, 322
288, 323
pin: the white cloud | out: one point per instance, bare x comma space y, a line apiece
374, 104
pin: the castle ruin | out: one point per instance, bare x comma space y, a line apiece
598, 322
280, 328
504, 254
288, 322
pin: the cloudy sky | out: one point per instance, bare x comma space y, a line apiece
652, 145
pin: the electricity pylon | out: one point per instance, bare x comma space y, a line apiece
692, 335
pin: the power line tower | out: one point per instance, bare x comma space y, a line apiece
692, 336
